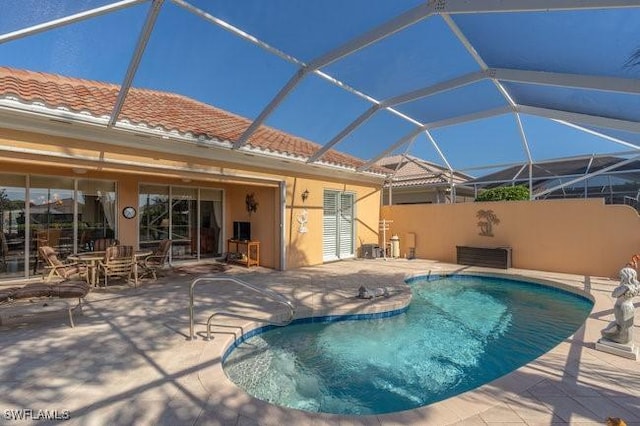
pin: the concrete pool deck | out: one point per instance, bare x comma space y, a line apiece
127, 361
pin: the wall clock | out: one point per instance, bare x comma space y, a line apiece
129, 212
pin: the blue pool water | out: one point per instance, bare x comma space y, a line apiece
458, 333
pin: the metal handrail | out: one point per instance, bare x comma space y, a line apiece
267, 292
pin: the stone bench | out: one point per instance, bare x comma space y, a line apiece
17, 304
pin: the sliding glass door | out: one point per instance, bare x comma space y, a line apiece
96, 212
191, 217
64, 213
210, 223
153, 224
51, 201
184, 224
13, 191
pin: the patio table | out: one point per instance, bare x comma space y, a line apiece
91, 259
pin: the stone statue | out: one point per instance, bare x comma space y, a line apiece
621, 330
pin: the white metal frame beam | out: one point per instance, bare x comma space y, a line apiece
266, 112
576, 81
76, 17
444, 86
468, 117
344, 133
525, 146
390, 27
403, 140
496, 6
438, 150
145, 33
524, 166
523, 136
600, 135
575, 117
236, 31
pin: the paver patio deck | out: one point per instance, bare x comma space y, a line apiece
128, 361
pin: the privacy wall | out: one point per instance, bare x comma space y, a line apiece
583, 237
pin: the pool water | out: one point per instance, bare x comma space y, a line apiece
458, 333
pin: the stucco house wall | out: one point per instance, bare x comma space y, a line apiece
301, 249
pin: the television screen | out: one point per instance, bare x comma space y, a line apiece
242, 231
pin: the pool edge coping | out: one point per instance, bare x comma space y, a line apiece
481, 393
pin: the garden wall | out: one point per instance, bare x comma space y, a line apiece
583, 237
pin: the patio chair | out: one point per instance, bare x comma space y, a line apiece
49, 237
157, 259
118, 262
101, 244
58, 268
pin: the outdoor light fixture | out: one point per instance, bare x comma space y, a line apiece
305, 195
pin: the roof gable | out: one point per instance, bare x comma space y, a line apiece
413, 171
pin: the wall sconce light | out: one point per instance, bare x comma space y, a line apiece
305, 195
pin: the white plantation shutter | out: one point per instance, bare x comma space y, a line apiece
330, 226
345, 236
337, 236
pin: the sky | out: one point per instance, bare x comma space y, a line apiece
192, 57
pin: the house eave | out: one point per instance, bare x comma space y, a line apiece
62, 123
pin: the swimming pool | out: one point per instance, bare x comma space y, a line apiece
458, 333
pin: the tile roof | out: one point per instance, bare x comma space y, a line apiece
414, 171
156, 109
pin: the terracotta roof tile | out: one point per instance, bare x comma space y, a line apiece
156, 109
414, 171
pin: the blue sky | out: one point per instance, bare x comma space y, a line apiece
189, 56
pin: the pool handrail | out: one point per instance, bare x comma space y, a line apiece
265, 291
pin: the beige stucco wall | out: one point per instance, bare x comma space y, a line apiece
583, 237
264, 222
302, 249
306, 248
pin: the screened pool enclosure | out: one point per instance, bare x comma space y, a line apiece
474, 86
